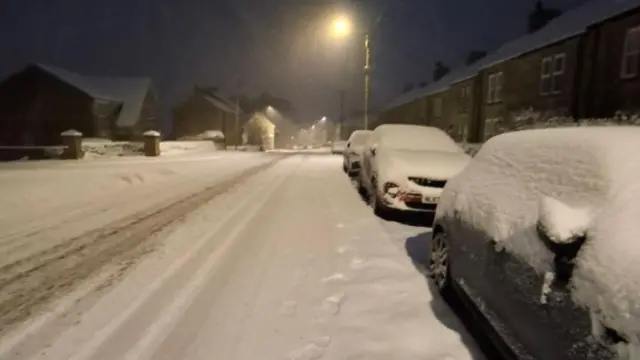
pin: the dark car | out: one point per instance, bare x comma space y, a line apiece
538, 237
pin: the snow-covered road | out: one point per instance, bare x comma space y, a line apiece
226, 256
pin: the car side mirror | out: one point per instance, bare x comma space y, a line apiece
563, 230
373, 150
348, 145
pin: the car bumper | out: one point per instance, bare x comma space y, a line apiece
413, 201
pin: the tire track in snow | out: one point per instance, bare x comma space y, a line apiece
196, 267
57, 217
28, 284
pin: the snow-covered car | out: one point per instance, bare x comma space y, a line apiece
405, 167
338, 147
353, 152
539, 237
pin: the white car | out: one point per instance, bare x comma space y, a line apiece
353, 153
405, 167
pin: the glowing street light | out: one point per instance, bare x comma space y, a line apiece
324, 118
341, 26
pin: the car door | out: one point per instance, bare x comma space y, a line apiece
546, 323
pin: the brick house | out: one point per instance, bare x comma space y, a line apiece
581, 64
41, 101
611, 65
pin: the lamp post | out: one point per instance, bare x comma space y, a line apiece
341, 27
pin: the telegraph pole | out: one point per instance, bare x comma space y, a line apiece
367, 80
237, 127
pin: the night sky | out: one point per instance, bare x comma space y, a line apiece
280, 46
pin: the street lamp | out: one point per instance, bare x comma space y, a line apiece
341, 27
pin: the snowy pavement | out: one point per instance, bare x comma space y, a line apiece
273, 257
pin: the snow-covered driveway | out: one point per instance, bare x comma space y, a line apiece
287, 264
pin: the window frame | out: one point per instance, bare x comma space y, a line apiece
557, 75
495, 86
465, 96
546, 75
491, 88
437, 105
497, 96
632, 33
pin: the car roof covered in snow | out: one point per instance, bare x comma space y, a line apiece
360, 136
415, 137
591, 170
130, 91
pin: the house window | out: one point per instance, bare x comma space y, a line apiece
494, 93
465, 97
545, 76
437, 107
552, 74
631, 53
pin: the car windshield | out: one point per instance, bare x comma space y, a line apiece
359, 139
418, 138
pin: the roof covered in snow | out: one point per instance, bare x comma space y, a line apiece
129, 91
587, 176
571, 23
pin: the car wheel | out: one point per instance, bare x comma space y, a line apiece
361, 189
439, 262
379, 209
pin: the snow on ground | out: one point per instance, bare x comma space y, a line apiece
56, 220
289, 265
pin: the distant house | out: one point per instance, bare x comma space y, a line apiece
204, 111
41, 101
259, 131
285, 131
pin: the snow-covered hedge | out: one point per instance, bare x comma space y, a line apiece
529, 119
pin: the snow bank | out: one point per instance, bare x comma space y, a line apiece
585, 168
